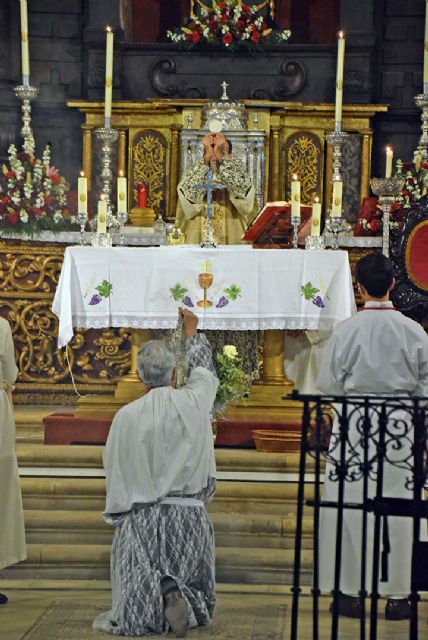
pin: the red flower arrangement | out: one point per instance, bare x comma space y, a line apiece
32, 195
370, 217
230, 24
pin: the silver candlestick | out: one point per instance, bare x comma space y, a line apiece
421, 101
26, 94
387, 189
82, 218
108, 137
122, 217
337, 139
295, 221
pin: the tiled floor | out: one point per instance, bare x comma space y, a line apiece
26, 606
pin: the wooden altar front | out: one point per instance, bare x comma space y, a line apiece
148, 148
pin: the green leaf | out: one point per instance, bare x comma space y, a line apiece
104, 289
233, 291
309, 291
177, 291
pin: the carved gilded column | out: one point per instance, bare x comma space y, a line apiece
366, 153
174, 164
121, 152
274, 170
87, 153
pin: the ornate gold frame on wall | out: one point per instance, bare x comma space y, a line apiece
260, 5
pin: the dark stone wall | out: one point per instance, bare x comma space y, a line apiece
383, 64
398, 76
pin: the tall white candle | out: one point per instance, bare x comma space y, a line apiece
389, 156
25, 58
295, 197
82, 193
336, 210
316, 218
102, 215
426, 49
109, 78
339, 77
121, 193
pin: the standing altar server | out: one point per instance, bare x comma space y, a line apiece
160, 469
12, 533
379, 351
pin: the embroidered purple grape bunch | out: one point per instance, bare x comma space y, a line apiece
223, 301
309, 292
104, 291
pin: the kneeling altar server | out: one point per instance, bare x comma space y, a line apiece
160, 468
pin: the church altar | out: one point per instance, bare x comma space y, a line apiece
231, 287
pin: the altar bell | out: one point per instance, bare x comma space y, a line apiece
379, 351
160, 470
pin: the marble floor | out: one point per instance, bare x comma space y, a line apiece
239, 616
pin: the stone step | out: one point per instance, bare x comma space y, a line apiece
29, 421
91, 562
88, 494
87, 527
90, 457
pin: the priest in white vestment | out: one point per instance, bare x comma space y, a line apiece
234, 207
12, 533
382, 352
160, 470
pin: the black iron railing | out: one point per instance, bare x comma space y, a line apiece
363, 442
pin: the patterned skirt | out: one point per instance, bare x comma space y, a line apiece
150, 543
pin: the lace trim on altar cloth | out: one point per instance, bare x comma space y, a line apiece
206, 324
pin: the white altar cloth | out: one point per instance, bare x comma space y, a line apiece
247, 288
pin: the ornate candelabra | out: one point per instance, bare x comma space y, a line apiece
421, 101
387, 189
26, 94
336, 225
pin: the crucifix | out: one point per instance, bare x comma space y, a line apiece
209, 185
224, 86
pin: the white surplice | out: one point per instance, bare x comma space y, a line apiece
378, 351
161, 444
12, 533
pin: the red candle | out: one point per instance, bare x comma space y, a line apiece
142, 196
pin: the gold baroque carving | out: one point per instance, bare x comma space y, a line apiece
302, 157
149, 166
22, 271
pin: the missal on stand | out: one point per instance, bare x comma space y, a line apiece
272, 228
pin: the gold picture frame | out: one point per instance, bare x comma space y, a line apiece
257, 4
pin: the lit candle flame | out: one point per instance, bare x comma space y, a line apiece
121, 173
294, 176
317, 199
82, 174
108, 28
340, 34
